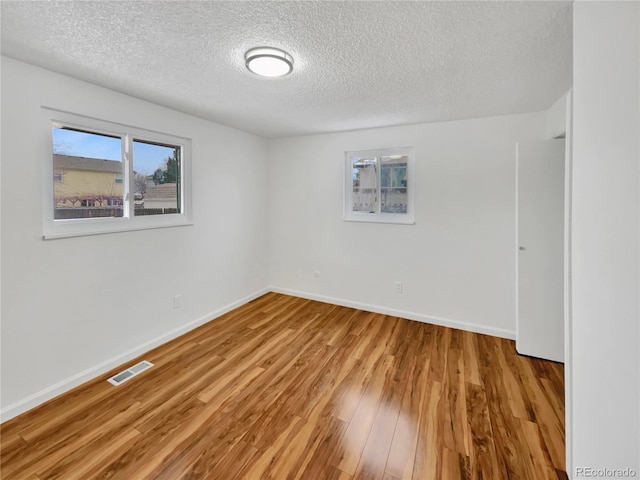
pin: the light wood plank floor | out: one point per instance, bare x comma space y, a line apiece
287, 388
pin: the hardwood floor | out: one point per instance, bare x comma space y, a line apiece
287, 388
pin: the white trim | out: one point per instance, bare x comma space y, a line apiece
517, 241
419, 317
121, 228
91, 373
395, 218
568, 319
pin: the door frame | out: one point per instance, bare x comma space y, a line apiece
567, 280
568, 312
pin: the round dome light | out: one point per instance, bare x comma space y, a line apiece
268, 62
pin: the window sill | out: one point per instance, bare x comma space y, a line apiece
104, 226
377, 218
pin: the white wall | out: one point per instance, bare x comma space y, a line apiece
556, 118
606, 238
73, 307
456, 262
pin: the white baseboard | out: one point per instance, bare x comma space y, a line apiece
444, 322
67, 384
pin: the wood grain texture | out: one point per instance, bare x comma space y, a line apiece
287, 388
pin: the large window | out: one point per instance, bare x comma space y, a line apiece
104, 177
378, 185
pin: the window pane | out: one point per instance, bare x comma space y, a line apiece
85, 168
393, 184
365, 185
156, 177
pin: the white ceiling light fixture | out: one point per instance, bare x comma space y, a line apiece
268, 62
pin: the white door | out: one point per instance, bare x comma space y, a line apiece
540, 249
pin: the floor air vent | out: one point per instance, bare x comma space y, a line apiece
120, 378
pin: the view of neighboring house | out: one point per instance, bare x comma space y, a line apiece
163, 195
95, 183
87, 182
393, 184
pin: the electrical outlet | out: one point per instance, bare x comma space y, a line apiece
177, 301
398, 287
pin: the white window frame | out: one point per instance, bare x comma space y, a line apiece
52, 228
378, 216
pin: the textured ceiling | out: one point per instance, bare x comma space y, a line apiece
357, 64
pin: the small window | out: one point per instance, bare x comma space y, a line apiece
378, 186
116, 178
